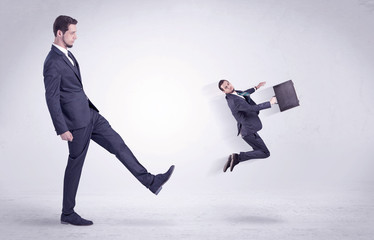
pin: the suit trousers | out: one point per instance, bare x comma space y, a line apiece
101, 132
259, 148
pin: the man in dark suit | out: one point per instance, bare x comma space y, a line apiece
77, 121
246, 111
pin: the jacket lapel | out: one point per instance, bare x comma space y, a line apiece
236, 96
67, 61
76, 68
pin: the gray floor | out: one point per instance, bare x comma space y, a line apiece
255, 215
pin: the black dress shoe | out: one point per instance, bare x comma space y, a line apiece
234, 161
159, 180
227, 164
75, 219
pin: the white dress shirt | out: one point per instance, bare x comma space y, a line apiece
65, 51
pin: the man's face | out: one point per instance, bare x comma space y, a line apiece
70, 36
227, 87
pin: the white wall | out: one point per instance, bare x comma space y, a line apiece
152, 69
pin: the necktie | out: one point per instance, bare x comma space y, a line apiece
243, 93
70, 57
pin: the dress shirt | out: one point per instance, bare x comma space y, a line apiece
65, 51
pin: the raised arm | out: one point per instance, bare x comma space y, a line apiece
245, 107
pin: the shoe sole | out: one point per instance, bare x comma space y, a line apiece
232, 163
67, 223
158, 190
227, 164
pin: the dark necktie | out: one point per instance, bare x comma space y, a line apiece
72, 58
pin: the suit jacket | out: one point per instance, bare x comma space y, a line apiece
246, 111
67, 103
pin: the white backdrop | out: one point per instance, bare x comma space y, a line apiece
152, 67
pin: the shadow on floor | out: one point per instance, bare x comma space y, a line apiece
142, 222
253, 220
41, 222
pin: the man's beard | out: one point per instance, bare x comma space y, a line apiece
67, 45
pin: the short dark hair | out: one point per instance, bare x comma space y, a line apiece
62, 23
220, 83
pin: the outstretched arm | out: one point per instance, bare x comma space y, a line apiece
252, 90
260, 85
243, 106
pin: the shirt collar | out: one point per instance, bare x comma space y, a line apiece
64, 50
235, 93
